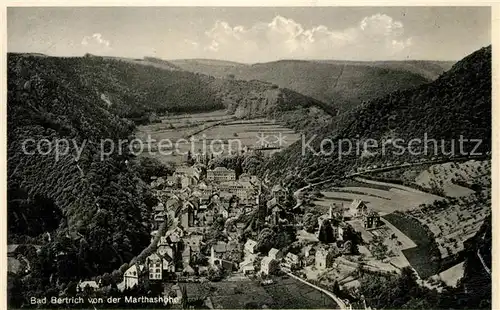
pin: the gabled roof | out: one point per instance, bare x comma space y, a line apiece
132, 269
92, 284
167, 259
154, 256
357, 204
222, 169
250, 243
189, 269
273, 251
373, 213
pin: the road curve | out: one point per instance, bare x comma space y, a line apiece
339, 301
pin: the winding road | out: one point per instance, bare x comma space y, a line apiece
339, 301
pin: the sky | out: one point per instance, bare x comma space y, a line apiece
251, 35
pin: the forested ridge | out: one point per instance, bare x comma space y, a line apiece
457, 103
341, 84
137, 90
94, 212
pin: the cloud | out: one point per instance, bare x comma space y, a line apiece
95, 39
191, 43
375, 37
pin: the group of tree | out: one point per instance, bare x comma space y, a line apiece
278, 237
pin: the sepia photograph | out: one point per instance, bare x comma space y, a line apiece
259, 157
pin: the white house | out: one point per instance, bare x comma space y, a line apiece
221, 174
131, 277
84, 284
154, 263
275, 253
165, 250
268, 265
324, 259
291, 261
250, 246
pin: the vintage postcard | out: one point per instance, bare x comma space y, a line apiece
312, 157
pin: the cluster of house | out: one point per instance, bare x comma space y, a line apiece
197, 199
276, 260
174, 260
193, 198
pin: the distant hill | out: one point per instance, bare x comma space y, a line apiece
214, 63
457, 103
430, 69
341, 84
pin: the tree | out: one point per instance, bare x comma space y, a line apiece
266, 240
379, 248
215, 274
354, 237
310, 222
326, 234
235, 255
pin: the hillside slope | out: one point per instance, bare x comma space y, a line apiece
342, 84
142, 89
457, 103
94, 211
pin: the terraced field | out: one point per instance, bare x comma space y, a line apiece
216, 131
379, 196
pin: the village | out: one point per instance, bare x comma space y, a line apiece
215, 220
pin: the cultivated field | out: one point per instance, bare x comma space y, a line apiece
379, 196
214, 131
452, 275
